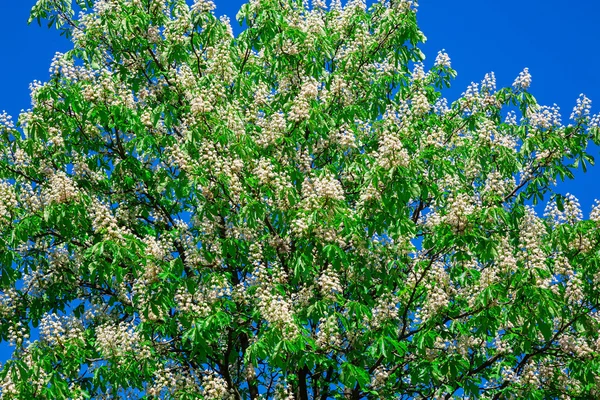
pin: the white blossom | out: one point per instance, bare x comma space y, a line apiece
523, 81
442, 59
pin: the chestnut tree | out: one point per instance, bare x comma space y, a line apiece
295, 212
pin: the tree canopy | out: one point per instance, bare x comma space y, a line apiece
293, 213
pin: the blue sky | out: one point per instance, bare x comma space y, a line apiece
557, 40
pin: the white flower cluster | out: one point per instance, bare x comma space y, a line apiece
313, 24
470, 98
33, 374
318, 4
506, 260
345, 137
58, 330
284, 392
532, 229
205, 296
55, 137
583, 243
304, 296
339, 88
61, 189
488, 84
117, 339
301, 108
442, 59
102, 7
215, 388
274, 308
367, 194
90, 93
391, 153
595, 213
595, 122
530, 375
420, 103
497, 185
262, 96
18, 334
203, 102
509, 375
21, 158
288, 47
379, 378
8, 301
171, 379
488, 277
435, 138
441, 106
523, 81
582, 110
232, 115
27, 118
511, 118
141, 296
62, 65
575, 345
156, 248
272, 129
544, 117
6, 120
460, 207
438, 291
383, 69
35, 282
432, 217
501, 345
488, 89
486, 131
34, 88
153, 34
325, 187
250, 372
329, 282
86, 24
328, 234
146, 119
385, 310
210, 158
8, 200
504, 139
108, 89
328, 333
466, 344
104, 221
219, 61
562, 266
177, 27
278, 312
574, 291
265, 172
418, 72
571, 211
279, 182
177, 156
201, 6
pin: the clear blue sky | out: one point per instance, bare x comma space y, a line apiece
557, 40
